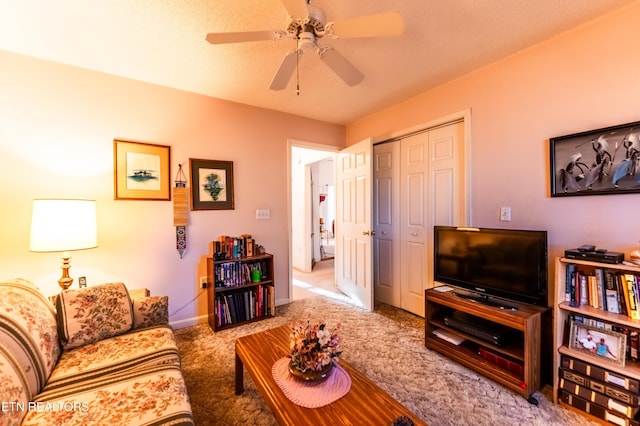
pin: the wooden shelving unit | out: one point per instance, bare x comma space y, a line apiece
562, 311
522, 352
233, 297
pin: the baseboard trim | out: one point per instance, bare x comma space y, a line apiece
188, 322
204, 319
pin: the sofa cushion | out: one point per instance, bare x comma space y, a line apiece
14, 390
151, 396
135, 350
93, 313
28, 330
149, 311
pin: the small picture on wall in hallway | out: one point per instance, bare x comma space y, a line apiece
597, 162
211, 184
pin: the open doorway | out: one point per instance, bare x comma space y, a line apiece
313, 212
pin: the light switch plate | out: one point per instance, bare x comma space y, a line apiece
263, 214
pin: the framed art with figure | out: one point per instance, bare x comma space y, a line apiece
211, 184
141, 171
597, 162
600, 343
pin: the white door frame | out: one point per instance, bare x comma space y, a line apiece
306, 245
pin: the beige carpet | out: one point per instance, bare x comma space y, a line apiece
387, 345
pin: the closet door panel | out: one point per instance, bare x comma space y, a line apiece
414, 230
386, 222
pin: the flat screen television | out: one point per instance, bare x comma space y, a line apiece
493, 263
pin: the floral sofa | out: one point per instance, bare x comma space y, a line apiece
96, 357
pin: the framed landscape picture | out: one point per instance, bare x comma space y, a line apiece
597, 162
141, 171
211, 184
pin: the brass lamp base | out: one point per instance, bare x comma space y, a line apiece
65, 281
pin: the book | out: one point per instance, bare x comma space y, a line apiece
623, 295
593, 291
449, 337
569, 288
602, 296
632, 302
584, 289
611, 292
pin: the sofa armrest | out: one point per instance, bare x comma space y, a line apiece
149, 311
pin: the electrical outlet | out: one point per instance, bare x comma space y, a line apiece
203, 282
505, 214
82, 282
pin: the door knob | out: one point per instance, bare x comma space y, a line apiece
372, 233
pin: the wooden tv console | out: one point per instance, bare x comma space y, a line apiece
515, 364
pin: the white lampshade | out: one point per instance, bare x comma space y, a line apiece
63, 225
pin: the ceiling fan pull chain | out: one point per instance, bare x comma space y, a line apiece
298, 68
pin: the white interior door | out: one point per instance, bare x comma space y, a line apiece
353, 223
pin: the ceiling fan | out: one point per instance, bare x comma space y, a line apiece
307, 25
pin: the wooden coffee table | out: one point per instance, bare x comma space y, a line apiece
365, 404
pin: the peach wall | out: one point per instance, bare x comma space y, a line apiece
584, 79
57, 125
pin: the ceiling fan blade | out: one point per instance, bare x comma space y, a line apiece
240, 37
341, 66
380, 25
297, 9
284, 73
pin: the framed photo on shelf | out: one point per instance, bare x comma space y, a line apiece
141, 171
211, 184
596, 162
597, 342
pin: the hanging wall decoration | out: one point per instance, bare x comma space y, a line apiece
211, 184
602, 161
141, 171
181, 210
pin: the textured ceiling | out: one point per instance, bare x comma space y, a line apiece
163, 42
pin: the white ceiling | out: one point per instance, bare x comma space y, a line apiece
163, 42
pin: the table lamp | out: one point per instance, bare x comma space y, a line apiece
63, 225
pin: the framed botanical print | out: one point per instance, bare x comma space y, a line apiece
141, 171
211, 184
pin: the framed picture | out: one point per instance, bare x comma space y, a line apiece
600, 343
211, 184
597, 162
141, 171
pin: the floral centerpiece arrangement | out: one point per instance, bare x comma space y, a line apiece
314, 348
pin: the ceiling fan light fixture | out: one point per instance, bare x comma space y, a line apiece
306, 40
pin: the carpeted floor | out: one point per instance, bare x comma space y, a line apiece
387, 345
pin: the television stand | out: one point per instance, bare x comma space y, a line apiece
486, 300
515, 365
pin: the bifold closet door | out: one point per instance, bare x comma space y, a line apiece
418, 183
414, 223
431, 194
386, 222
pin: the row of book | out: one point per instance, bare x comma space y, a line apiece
632, 335
242, 306
226, 247
600, 392
238, 274
605, 289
